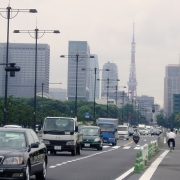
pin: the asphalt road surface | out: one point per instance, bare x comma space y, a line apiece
108, 164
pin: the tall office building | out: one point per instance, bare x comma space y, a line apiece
82, 49
22, 85
171, 86
58, 93
112, 74
93, 63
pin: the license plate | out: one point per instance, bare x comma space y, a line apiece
87, 145
121, 137
57, 147
104, 141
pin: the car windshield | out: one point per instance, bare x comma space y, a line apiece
106, 127
9, 139
122, 129
89, 131
58, 124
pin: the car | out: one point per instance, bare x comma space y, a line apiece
22, 154
12, 126
155, 132
131, 131
92, 137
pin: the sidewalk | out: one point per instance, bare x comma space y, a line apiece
168, 169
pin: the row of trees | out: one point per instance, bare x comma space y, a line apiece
20, 111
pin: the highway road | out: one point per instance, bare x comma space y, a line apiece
108, 164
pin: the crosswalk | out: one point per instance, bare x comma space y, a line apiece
123, 147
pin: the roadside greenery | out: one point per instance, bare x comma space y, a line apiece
20, 111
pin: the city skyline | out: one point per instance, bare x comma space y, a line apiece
108, 29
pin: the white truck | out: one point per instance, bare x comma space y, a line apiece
109, 128
123, 132
61, 134
142, 129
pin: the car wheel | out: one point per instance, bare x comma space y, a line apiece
78, 149
73, 153
27, 173
42, 174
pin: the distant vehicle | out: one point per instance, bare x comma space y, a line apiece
109, 130
123, 132
22, 154
12, 126
149, 129
155, 132
131, 131
92, 137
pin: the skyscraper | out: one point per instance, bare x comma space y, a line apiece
132, 91
94, 64
82, 49
171, 86
22, 85
112, 74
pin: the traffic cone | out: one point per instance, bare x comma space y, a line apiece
137, 164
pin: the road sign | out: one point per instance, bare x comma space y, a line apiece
87, 115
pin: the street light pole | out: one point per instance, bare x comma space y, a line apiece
37, 31
77, 60
42, 103
95, 71
8, 10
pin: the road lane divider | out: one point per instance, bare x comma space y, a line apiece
129, 143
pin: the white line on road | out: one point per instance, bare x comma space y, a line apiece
125, 174
137, 148
127, 147
116, 147
150, 171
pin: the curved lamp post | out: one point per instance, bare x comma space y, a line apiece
9, 11
37, 32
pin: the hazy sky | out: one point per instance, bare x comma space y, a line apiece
107, 25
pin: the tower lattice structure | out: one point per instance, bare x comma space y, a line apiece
132, 84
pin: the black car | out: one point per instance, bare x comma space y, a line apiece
21, 154
92, 137
155, 132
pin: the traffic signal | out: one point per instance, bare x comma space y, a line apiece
12, 68
153, 110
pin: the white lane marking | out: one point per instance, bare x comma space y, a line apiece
78, 159
116, 147
127, 147
150, 171
137, 148
106, 146
125, 174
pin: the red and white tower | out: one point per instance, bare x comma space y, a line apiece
132, 92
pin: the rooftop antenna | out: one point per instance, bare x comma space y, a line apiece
133, 31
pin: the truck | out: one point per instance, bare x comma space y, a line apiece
123, 132
61, 134
109, 128
142, 129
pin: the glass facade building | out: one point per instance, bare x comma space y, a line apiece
112, 74
94, 64
82, 49
171, 86
22, 85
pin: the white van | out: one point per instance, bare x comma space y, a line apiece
123, 132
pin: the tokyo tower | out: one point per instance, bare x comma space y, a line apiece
132, 92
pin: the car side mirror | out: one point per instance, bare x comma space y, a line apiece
76, 129
34, 145
115, 130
